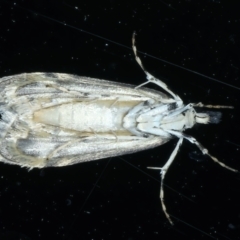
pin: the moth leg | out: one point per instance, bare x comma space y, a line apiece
50, 155
140, 108
149, 128
201, 147
64, 145
129, 121
163, 172
63, 89
150, 77
115, 101
97, 135
135, 132
158, 112
115, 135
178, 111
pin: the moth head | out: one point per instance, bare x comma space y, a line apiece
208, 117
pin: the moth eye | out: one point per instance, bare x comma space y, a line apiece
145, 135
146, 103
172, 106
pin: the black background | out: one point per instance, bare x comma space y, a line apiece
186, 44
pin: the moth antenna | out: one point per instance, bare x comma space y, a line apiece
211, 106
200, 146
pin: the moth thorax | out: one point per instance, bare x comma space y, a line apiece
190, 118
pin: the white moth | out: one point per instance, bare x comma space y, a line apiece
55, 119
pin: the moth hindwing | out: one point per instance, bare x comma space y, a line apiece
55, 119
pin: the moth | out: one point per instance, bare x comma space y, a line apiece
56, 119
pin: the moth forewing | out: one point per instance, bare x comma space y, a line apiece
56, 119
53, 119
